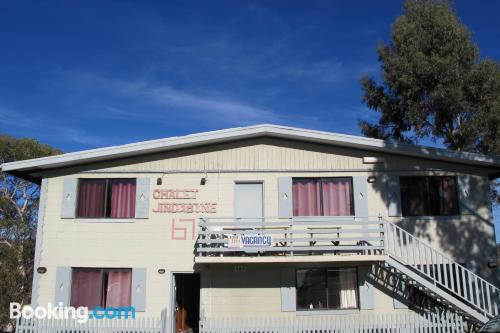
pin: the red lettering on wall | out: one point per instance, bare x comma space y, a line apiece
180, 229
175, 194
166, 207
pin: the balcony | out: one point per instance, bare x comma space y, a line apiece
290, 239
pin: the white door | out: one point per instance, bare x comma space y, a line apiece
248, 200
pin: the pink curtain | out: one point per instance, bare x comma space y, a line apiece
122, 198
119, 288
306, 197
91, 196
337, 194
448, 196
86, 288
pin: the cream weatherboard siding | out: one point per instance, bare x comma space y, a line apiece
271, 154
147, 242
256, 292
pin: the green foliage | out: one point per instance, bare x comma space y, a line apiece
18, 214
433, 83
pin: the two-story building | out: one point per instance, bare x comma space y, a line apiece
268, 225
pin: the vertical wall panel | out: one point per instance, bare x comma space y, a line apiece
63, 286
68, 204
288, 292
360, 196
142, 198
393, 196
465, 195
285, 201
400, 296
139, 289
366, 301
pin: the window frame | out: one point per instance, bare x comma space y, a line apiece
107, 199
104, 280
326, 269
427, 213
321, 205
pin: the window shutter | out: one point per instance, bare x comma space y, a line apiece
394, 196
139, 289
68, 204
366, 301
400, 299
360, 196
465, 195
285, 208
63, 286
142, 198
288, 298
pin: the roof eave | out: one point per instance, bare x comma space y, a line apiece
154, 146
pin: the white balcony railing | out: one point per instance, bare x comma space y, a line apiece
290, 236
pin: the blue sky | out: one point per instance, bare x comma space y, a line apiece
85, 74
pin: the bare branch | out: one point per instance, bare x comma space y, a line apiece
6, 242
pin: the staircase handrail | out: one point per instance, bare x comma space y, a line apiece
442, 270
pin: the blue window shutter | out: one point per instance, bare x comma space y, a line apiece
68, 204
360, 196
142, 198
288, 292
285, 208
139, 289
400, 297
63, 286
366, 301
465, 194
394, 196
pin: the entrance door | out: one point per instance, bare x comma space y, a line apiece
187, 302
248, 200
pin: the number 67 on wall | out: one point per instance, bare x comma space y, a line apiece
180, 229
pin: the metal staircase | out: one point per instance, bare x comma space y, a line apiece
438, 276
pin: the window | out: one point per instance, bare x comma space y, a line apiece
114, 198
322, 197
429, 196
94, 287
327, 289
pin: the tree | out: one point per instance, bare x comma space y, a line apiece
18, 218
433, 84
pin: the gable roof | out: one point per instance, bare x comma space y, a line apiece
26, 168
